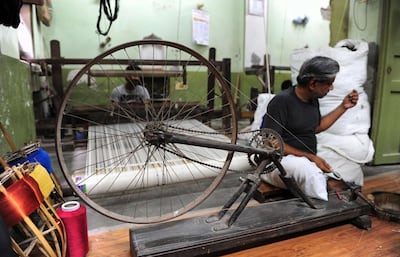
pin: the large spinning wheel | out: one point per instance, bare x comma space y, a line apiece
120, 166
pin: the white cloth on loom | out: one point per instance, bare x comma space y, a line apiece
103, 174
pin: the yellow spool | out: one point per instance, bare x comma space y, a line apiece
42, 177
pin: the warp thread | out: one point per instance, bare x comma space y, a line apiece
74, 218
19, 200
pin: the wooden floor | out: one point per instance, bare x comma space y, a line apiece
344, 240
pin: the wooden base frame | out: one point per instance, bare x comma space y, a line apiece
257, 225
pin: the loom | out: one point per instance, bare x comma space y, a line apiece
106, 176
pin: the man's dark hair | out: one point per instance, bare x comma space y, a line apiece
286, 84
318, 68
134, 67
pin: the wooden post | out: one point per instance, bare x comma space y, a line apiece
211, 81
56, 74
226, 73
7, 137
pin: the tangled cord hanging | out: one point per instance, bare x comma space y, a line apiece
105, 7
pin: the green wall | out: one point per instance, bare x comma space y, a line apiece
16, 112
172, 20
74, 25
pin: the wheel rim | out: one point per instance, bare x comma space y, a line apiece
112, 168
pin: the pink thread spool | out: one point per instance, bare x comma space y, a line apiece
73, 214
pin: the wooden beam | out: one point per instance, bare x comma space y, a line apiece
37, 2
56, 72
258, 225
143, 72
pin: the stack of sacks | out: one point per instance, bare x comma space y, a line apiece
262, 103
346, 144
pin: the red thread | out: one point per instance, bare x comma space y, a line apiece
19, 200
339, 196
75, 223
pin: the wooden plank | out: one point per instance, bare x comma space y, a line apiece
256, 225
37, 2
109, 244
142, 73
388, 181
246, 114
341, 241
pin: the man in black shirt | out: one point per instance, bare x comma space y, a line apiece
294, 113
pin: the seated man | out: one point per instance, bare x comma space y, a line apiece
294, 113
132, 91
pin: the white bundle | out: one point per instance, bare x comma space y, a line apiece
262, 103
354, 120
353, 64
352, 75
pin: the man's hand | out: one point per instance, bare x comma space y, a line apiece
321, 163
350, 100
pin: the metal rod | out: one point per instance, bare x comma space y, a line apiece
169, 137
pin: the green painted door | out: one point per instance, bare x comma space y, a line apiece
386, 117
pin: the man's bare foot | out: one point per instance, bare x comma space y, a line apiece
336, 185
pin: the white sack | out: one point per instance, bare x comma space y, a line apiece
348, 170
262, 103
354, 121
352, 75
353, 64
356, 148
345, 154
